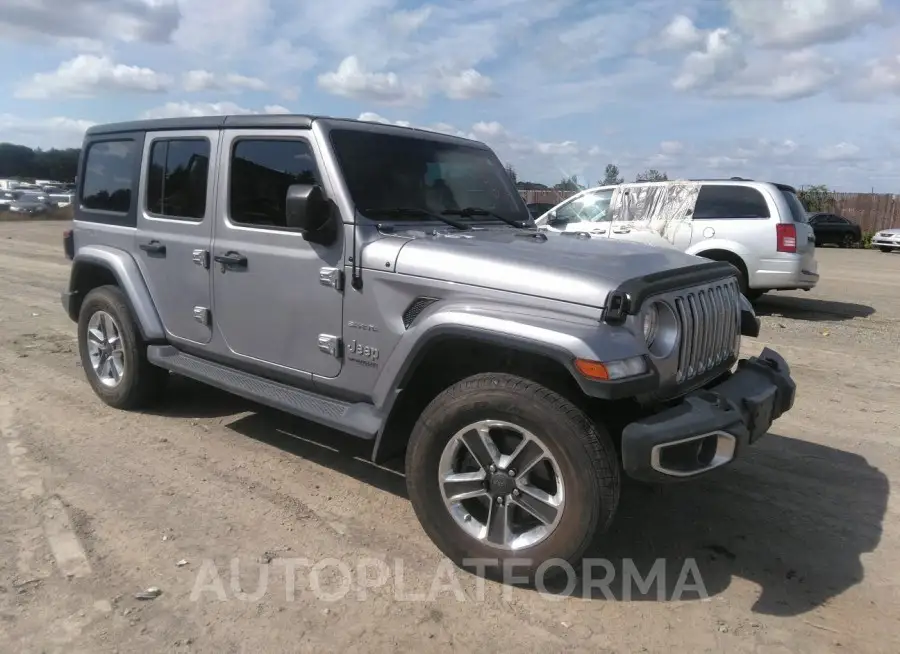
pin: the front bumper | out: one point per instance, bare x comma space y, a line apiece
710, 428
886, 241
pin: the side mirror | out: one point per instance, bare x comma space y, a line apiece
308, 210
553, 219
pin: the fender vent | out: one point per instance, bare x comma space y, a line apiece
413, 310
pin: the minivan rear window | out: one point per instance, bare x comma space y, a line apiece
722, 201
798, 211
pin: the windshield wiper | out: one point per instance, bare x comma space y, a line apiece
412, 212
469, 212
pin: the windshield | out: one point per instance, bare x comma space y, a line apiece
387, 171
798, 211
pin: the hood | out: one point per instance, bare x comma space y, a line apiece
893, 231
558, 267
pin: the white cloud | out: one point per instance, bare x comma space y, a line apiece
880, 76
112, 20
671, 147
680, 34
203, 80
227, 108
799, 23
351, 80
467, 84
843, 151
87, 75
223, 28
720, 58
787, 76
56, 132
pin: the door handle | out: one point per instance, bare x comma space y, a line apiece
231, 259
621, 230
153, 247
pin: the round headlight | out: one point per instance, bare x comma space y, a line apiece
650, 323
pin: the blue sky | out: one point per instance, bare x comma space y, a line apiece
800, 91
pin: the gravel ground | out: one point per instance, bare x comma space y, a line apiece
796, 546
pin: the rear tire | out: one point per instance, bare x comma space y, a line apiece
113, 353
581, 453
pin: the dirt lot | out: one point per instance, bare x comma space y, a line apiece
797, 546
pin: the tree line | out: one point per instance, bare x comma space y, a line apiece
611, 178
22, 162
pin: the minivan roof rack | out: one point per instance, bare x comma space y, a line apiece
720, 179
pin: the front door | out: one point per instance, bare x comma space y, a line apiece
269, 301
174, 229
585, 213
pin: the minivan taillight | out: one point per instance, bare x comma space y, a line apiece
787, 237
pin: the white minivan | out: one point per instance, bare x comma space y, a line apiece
760, 227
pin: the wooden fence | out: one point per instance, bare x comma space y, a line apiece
872, 211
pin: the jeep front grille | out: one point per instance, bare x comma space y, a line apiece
710, 321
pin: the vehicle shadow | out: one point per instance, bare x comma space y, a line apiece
793, 517
186, 398
812, 309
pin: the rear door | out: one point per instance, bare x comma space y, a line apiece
174, 229
736, 217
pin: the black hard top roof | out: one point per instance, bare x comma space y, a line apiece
285, 121
256, 121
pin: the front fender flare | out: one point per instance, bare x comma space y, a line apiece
561, 338
128, 276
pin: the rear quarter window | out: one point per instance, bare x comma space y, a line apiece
109, 176
716, 202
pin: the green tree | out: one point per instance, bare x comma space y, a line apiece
22, 161
568, 184
651, 175
611, 176
816, 198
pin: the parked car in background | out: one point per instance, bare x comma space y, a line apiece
830, 229
887, 240
759, 227
30, 203
538, 208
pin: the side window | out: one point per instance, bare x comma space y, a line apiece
722, 201
261, 172
177, 178
108, 176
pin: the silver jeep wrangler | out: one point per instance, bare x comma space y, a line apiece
390, 283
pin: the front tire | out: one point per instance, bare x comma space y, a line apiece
505, 474
113, 353
884, 249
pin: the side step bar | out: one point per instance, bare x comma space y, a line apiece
358, 419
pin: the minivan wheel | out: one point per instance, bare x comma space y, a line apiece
113, 354
505, 474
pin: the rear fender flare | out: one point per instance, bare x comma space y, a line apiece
128, 277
